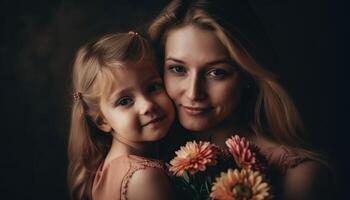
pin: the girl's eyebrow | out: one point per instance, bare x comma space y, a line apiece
131, 88
175, 60
118, 92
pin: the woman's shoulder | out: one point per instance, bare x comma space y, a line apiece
283, 157
304, 177
309, 180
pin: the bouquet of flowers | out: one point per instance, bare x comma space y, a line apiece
202, 171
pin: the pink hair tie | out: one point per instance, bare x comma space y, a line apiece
77, 96
132, 33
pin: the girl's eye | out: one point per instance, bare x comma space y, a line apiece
217, 73
155, 87
124, 101
177, 69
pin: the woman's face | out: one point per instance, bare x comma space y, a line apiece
200, 78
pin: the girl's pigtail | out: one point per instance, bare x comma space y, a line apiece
77, 172
84, 153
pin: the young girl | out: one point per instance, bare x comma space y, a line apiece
120, 110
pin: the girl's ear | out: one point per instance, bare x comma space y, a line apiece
102, 124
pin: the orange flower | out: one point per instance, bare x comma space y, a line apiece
240, 185
194, 157
241, 149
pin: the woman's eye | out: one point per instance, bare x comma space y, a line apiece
217, 73
124, 101
155, 87
178, 69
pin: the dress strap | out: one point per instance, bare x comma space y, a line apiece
140, 164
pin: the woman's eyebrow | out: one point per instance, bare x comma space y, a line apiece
223, 60
219, 61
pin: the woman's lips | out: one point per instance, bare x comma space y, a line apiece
194, 110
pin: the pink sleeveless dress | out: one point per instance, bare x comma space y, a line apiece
111, 182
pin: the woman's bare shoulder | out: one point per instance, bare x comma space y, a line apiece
308, 180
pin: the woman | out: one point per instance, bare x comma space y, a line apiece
220, 89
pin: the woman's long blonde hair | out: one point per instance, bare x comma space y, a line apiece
270, 111
93, 78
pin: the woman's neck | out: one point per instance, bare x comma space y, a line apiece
220, 133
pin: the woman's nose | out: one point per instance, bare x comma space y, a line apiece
195, 88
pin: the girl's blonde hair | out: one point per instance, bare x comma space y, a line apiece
93, 78
268, 108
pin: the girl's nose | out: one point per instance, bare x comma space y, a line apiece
147, 106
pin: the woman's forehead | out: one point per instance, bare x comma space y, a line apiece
190, 42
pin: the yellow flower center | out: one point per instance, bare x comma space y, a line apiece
191, 155
242, 191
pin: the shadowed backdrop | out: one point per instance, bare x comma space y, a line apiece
38, 42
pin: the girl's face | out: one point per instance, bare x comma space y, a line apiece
200, 78
138, 108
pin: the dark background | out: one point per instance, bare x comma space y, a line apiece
38, 42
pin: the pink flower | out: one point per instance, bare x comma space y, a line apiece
194, 157
244, 153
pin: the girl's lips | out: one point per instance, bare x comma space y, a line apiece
154, 121
195, 110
